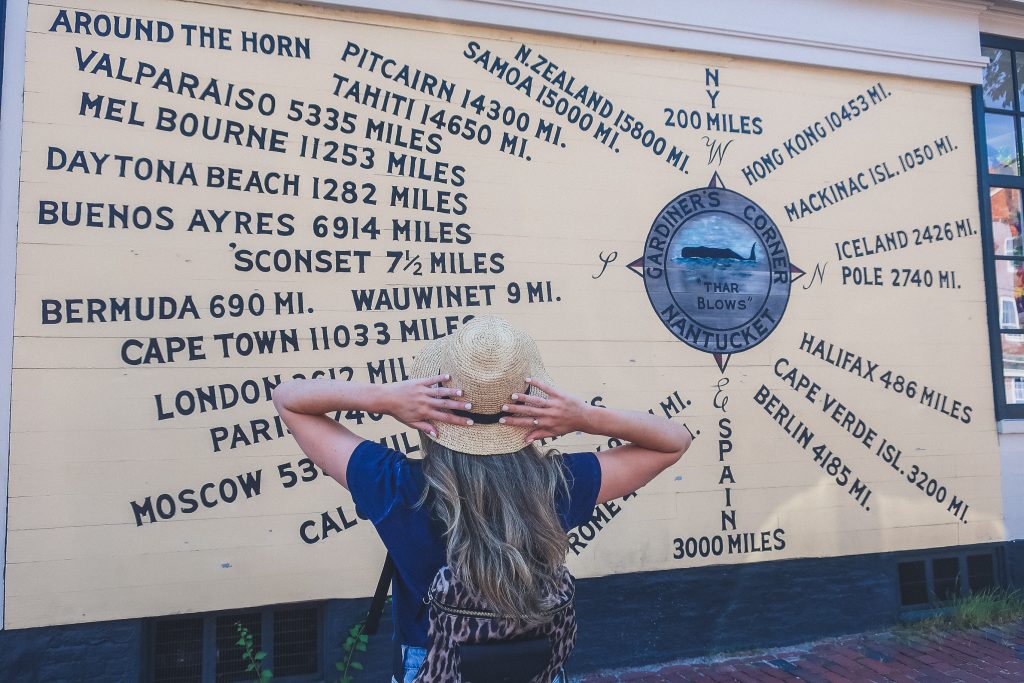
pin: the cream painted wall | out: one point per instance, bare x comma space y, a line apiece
87, 441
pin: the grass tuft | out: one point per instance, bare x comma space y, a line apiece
988, 607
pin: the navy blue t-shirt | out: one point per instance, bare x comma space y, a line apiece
386, 486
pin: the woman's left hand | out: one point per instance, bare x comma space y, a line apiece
418, 403
558, 414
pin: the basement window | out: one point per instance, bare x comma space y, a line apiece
296, 634
981, 572
941, 579
177, 650
946, 577
231, 660
913, 583
204, 648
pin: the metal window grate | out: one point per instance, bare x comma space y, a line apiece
204, 648
913, 583
296, 641
230, 662
178, 651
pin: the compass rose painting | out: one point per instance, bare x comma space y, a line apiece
704, 289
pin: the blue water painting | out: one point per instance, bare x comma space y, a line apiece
718, 272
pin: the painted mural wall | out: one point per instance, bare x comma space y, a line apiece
215, 199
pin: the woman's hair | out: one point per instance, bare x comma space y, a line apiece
504, 538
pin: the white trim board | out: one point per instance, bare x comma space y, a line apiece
937, 39
1003, 20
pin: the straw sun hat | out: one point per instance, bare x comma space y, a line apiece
489, 360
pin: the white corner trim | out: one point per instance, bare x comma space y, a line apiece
869, 35
10, 173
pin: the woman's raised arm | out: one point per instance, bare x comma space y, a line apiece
303, 404
656, 442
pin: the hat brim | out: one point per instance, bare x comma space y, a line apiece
475, 439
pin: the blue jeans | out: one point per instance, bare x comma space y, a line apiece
412, 658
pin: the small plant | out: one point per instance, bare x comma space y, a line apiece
988, 607
355, 642
253, 657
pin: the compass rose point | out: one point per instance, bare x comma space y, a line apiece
722, 359
637, 266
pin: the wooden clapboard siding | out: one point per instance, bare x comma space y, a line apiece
86, 441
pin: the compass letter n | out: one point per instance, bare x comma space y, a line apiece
818, 276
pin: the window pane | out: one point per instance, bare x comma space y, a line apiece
1013, 367
295, 641
178, 651
1006, 236
1020, 72
1009, 316
980, 572
1010, 290
1001, 144
946, 573
913, 585
998, 84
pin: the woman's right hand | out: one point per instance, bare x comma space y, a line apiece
421, 403
560, 413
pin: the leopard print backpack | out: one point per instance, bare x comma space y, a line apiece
469, 643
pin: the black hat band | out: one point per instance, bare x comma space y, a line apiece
481, 418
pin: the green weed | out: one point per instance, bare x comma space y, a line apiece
252, 656
988, 607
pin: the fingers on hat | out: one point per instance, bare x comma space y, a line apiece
449, 418
543, 386
530, 399
522, 409
448, 404
519, 421
436, 379
539, 434
424, 427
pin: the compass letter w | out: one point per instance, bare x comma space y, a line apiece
716, 150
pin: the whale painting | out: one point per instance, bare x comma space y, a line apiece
711, 276
716, 253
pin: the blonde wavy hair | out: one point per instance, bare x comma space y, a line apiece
503, 535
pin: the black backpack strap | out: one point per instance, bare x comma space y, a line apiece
377, 606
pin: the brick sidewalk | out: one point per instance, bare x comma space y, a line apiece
983, 656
